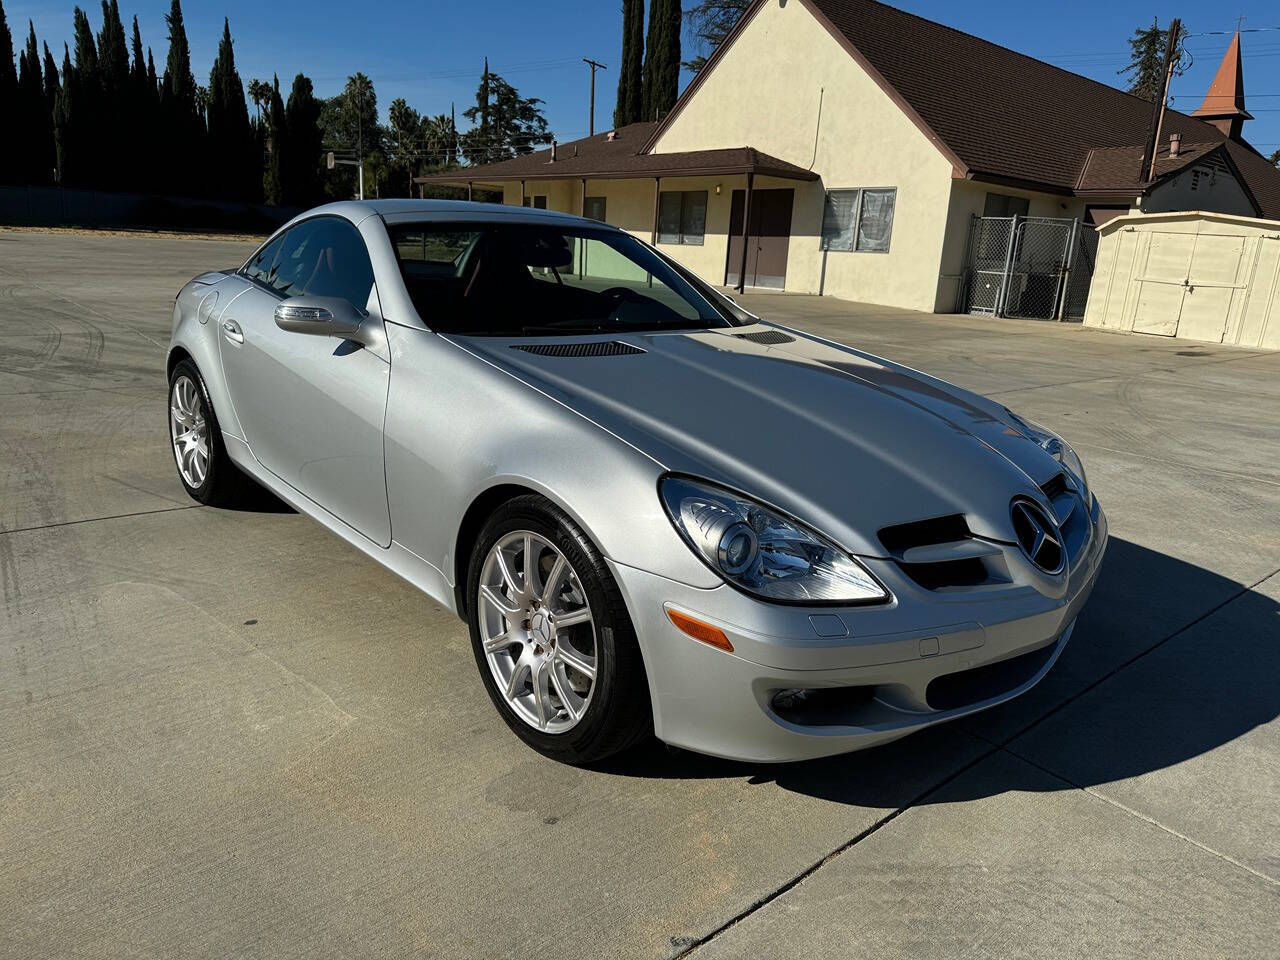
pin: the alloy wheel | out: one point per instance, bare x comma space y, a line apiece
189, 431
537, 631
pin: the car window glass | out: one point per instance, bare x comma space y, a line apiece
519, 279
324, 257
259, 265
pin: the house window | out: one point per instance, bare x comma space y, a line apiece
682, 216
593, 208
858, 220
1002, 205
540, 202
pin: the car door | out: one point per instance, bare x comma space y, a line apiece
312, 407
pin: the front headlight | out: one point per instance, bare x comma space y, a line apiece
763, 552
1057, 448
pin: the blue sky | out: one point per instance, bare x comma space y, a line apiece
431, 51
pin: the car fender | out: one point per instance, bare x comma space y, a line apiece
450, 437
195, 331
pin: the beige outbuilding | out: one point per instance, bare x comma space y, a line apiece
1199, 276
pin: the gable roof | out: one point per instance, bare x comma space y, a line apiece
599, 158
997, 114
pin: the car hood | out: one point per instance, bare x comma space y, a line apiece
845, 441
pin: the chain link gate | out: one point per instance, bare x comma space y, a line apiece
1033, 267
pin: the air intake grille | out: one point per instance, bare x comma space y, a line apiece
767, 337
589, 348
941, 554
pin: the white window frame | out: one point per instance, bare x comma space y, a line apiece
857, 219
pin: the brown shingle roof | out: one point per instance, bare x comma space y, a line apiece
599, 158
1119, 168
1010, 116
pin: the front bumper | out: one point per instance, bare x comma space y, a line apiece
896, 668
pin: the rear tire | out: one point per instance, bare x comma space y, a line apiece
204, 467
566, 626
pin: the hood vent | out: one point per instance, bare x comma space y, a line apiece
767, 337
587, 348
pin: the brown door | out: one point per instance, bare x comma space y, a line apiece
767, 239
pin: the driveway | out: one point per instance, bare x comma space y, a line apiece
228, 734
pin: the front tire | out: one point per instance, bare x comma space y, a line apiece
204, 467
552, 638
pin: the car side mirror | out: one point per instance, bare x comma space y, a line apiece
320, 316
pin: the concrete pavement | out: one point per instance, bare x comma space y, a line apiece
228, 734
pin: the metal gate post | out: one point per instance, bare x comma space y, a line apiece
1064, 280
1003, 294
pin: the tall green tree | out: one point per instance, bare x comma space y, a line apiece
113, 169
710, 22
35, 120
180, 115
506, 124
142, 119
232, 143
1145, 69
630, 104
78, 125
302, 186
407, 145
662, 59
9, 164
273, 181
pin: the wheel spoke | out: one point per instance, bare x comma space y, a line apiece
565, 693
508, 577
541, 695
572, 658
528, 562
500, 603
517, 676
553, 578
573, 618
500, 642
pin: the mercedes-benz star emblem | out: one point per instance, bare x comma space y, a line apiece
1038, 536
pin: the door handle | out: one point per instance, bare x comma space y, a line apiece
231, 330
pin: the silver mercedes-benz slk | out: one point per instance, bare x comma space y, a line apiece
657, 513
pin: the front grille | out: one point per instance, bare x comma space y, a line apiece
587, 348
768, 337
953, 690
940, 553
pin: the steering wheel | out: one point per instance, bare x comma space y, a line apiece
620, 293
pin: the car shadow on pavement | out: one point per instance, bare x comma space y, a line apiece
258, 499
1168, 661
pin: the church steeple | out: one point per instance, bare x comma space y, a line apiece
1224, 103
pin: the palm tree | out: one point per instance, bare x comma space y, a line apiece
259, 93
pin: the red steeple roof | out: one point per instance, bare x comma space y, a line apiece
1225, 100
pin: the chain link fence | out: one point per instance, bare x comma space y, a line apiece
1034, 267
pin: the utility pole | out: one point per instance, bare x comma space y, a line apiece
591, 114
1170, 64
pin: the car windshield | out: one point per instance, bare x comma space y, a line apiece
520, 279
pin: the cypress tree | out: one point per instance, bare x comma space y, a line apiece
36, 130
51, 80
273, 184
630, 105
63, 118
115, 119
231, 140
302, 186
661, 59
8, 100
179, 113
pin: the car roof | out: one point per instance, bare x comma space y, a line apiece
408, 210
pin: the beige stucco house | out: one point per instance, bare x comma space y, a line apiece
842, 147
